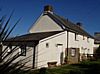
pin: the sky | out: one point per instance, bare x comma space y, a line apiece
85, 11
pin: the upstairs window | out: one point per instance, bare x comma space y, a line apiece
83, 37
87, 39
76, 37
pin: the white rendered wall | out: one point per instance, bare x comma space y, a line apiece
45, 24
28, 58
85, 46
50, 54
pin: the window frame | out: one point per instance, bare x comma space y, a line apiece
73, 52
76, 37
22, 50
87, 39
83, 37
47, 45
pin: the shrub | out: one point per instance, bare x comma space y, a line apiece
97, 53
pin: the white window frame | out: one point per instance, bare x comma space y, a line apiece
73, 52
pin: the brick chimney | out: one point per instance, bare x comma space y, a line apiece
48, 8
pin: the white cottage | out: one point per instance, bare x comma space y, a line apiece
72, 41
55, 39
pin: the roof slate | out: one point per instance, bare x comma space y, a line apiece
69, 26
33, 36
63, 23
31, 39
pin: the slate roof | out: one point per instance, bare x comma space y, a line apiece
69, 26
32, 37
63, 23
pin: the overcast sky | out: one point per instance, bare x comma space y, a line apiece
85, 11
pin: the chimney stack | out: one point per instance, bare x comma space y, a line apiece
79, 25
48, 8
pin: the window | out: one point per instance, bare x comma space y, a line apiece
73, 52
87, 39
83, 37
76, 37
47, 45
59, 45
88, 51
22, 50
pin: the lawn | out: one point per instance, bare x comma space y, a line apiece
86, 67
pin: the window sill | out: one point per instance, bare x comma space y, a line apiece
76, 40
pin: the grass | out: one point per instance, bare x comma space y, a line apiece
86, 67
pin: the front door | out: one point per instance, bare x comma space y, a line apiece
60, 54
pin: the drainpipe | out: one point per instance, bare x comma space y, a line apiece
34, 50
67, 41
34, 54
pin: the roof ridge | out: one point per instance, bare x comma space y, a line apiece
69, 25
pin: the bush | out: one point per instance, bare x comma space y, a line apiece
97, 53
